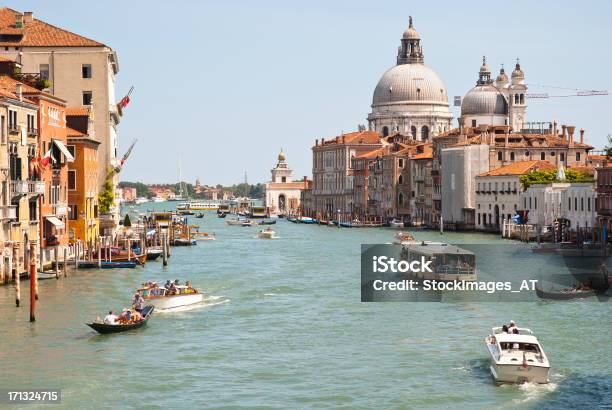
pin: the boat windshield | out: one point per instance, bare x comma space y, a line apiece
524, 347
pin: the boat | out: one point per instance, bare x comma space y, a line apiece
120, 255
448, 263
204, 236
163, 300
223, 209
203, 206
247, 223
42, 275
200, 215
221, 214
118, 265
267, 233
306, 220
104, 328
184, 242
396, 223
517, 358
258, 212
567, 294
267, 222
402, 237
158, 199
236, 221
185, 212
154, 252
352, 224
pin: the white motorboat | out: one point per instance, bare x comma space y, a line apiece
517, 358
266, 234
396, 223
238, 222
165, 300
204, 236
402, 237
46, 275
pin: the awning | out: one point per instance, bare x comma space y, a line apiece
64, 150
55, 221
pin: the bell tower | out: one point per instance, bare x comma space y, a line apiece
282, 173
517, 96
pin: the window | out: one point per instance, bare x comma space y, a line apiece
577, 156
589, 204
542, 156
33, 210
575, 204
12, 120
512, 156
400, 180
2, 131
424, 133
400, 163
71, 150
283, 179
87, 97
71, 179
582, 204
569, 204
413, 132
473, 123
535, 203
43, 69
31, 124
72, 212
95, 211
526, 153
385, 131
500, 156
86, 70
562, 157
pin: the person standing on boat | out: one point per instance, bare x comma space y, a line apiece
512, 327
138, 302
110, 318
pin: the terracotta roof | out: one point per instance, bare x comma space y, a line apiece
372, 154
9, 83
37, 33
519, 168
8, 88
426, 154
71, 132
359, 137
77, 111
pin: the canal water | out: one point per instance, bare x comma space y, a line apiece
283, 327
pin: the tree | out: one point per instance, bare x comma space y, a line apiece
106, 199
126, 221
548, 177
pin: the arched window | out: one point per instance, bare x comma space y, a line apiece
516, 98
500, 155
400, 199
400, 180
522, 99
413, 132
542, 156
526, 153
562, 157
424, 133
385, 131
512, 156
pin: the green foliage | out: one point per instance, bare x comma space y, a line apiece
126, 221
106, 199
548, 177
44, 83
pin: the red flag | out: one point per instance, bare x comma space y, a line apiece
44, 161
125, 100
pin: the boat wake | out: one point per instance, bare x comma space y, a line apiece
208, 301
534, 391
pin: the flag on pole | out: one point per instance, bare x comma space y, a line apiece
44, 161
125, 100
128, 152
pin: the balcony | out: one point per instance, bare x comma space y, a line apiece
436, 197
13, 128
8, 212
19, 188
36, 187
32, 132
372, 202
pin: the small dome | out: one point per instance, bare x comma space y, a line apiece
502, 77
410, 33
484, 68
281, 156
518, 73
484, 100
410, 82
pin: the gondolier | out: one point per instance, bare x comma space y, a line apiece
138, 302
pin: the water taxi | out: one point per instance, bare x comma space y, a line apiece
517, 358
238, 221
396, 223
203, 206
267, 233
204, 236
163, 299
448, 262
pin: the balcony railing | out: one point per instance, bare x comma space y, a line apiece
19, 188
36, 187
13, 128
60, 209
32, 132
9, 212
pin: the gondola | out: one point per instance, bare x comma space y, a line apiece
106, 265
222, 215
267, 222
200, 215
560, 295
105, 329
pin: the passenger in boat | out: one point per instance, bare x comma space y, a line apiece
138, 302
126, 316
110, 319
136, 317
190, 288
512, 326
505, 329
168, 284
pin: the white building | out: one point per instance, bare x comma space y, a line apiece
550, 203
410, 98
498, 193
282, 194
496, 103
461, 164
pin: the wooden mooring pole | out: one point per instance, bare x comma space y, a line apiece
33, 282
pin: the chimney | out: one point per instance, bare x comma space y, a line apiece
554, 125
19, 21
343, 139
28, 17
570, 134
564, 132
582, 135
18, 91
322, 141
317, 142
550, 128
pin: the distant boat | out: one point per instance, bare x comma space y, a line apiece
396, 223
200, 215
153, 253
105, 265
184, 242
306, 220
267, 222
266, 234
46, 275
222, 215
567, 294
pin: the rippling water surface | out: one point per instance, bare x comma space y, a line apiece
282, 326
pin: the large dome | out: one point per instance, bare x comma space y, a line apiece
484, 100
407, 83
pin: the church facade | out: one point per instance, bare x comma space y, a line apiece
282, 194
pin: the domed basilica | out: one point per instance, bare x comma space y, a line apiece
410, 98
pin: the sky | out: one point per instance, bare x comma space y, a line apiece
221, 87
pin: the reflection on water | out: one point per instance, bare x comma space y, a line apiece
282, 326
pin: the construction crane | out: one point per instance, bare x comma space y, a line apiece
576, 92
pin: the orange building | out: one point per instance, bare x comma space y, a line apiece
82, 176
